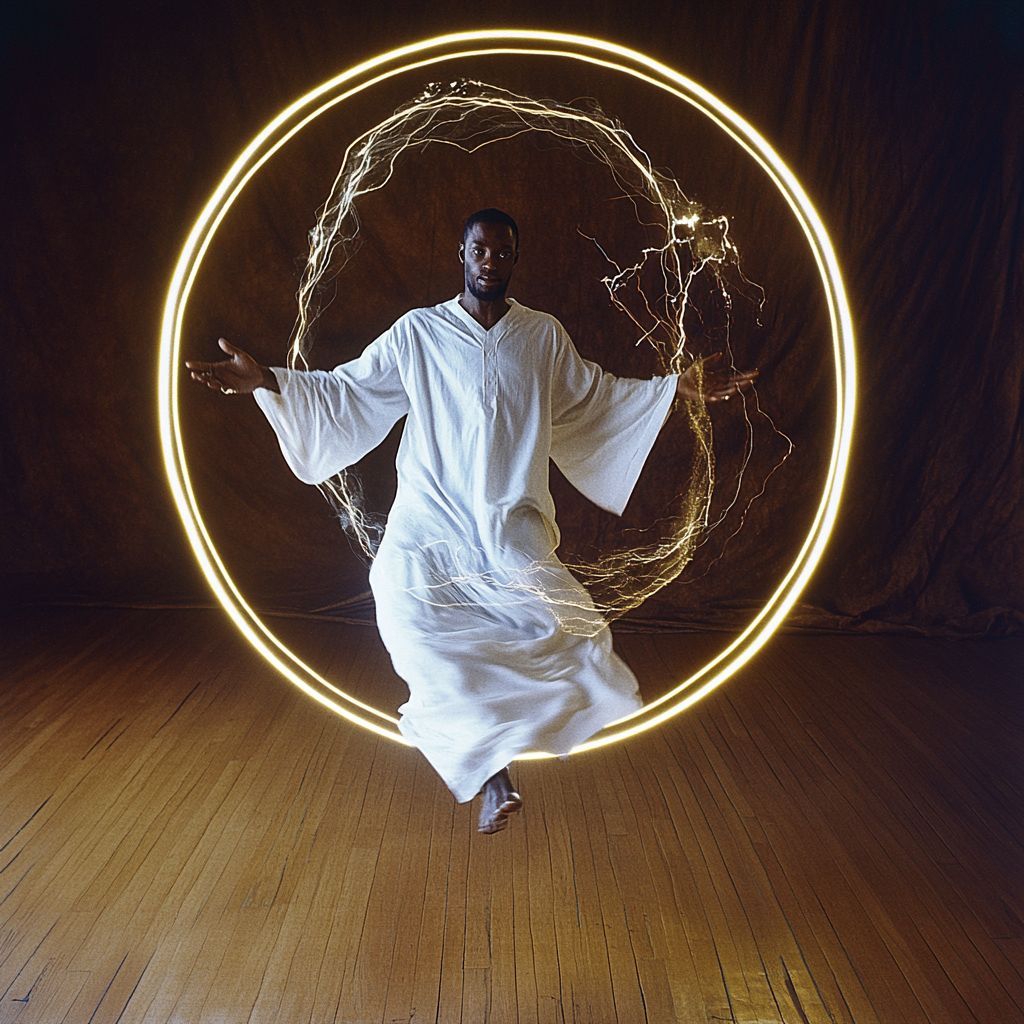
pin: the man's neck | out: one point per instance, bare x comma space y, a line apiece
486, 314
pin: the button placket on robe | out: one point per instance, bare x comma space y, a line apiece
490, 374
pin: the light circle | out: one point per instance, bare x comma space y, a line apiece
425, 54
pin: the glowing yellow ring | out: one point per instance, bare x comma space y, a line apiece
424, 54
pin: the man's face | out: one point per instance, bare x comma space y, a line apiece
489, 254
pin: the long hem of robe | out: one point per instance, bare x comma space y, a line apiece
465, 785
477, 704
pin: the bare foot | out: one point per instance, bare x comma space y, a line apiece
499, 801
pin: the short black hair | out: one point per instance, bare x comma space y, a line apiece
491, 216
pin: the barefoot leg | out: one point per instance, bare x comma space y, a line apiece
498, 801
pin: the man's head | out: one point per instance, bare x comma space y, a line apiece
489, 251
491, 216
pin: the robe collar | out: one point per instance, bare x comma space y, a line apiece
454, 308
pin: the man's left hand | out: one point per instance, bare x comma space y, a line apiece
705, 381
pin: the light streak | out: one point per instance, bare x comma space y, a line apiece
470, 115
428, 54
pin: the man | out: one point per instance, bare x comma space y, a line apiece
501, 647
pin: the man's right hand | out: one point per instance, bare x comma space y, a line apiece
239, 375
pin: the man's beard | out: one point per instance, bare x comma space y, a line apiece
491, 294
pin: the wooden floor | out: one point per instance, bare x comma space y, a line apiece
833, 836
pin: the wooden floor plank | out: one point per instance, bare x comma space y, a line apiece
453, 939
681, 931
898, 836
415, 920
375, 957
425, 998
806, 837
782, 991
836, 983
574, 848
887, 868
831, 838
541, 939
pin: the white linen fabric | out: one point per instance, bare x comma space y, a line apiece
500, 646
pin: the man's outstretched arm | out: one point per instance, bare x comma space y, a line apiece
704, 381
239, 375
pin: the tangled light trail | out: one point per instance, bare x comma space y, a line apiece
691, 241
523, 45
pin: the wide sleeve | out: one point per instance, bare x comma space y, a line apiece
327, 420
603, 427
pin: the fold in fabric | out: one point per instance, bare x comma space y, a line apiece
501, 648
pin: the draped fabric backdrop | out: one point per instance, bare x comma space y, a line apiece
904, 122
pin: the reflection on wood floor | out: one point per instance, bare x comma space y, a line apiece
833, 836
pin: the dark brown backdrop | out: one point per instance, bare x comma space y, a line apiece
904, 123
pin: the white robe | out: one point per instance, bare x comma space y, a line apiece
500, 646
